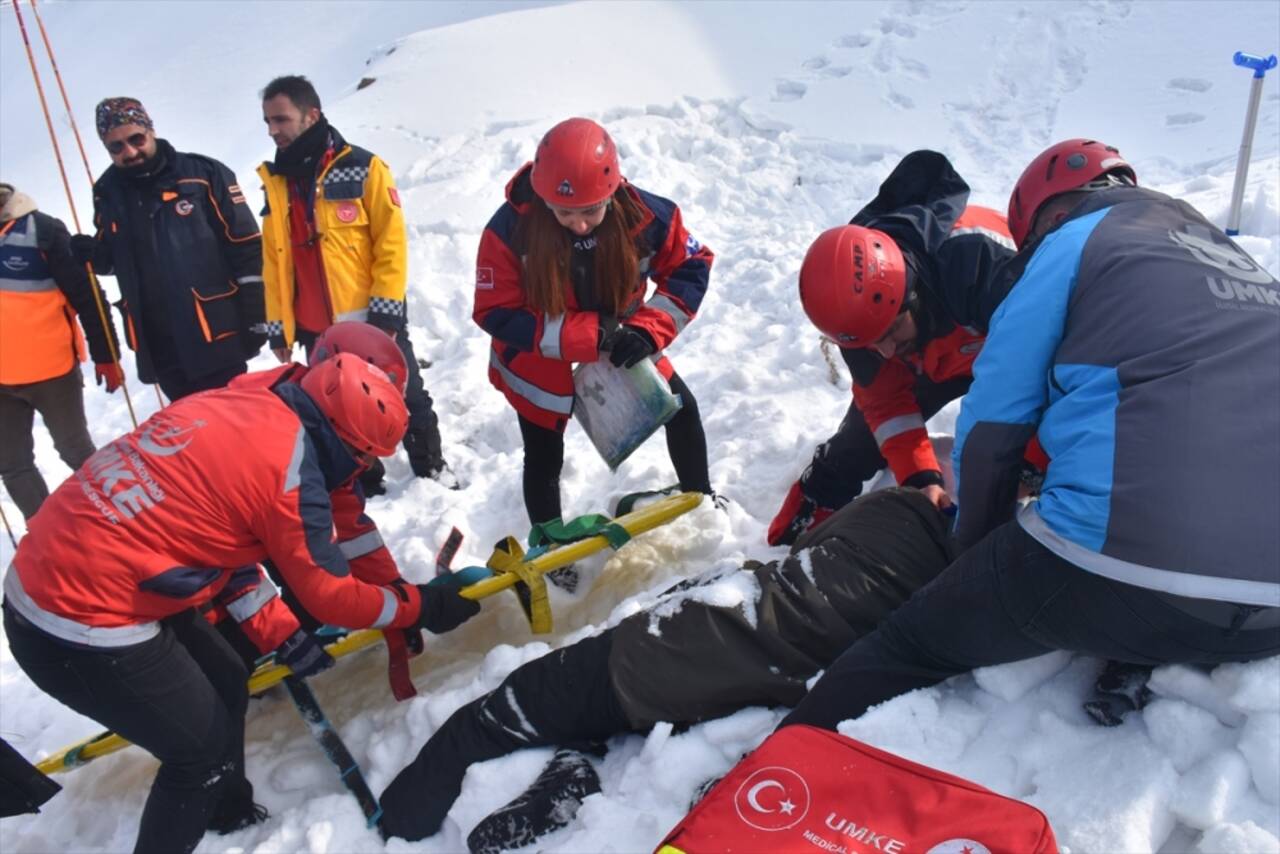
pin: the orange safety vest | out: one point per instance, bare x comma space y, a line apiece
39, 336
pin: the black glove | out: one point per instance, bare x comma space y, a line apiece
443, 609
413, 640
303, 654
628, 345
82, 247
252, 339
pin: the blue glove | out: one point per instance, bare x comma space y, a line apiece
303, 654
464, 577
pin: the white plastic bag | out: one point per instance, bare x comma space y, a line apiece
619, 408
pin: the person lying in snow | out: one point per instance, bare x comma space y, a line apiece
682, 661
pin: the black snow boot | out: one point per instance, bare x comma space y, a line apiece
425, 456
236, 810
564, 699
1122, 688
550, 803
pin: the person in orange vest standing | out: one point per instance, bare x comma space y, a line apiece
906, 290
42, 290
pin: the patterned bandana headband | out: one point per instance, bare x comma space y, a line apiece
114, 112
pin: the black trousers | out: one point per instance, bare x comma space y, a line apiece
544, 456
181, 696
1006, 599
176, 385
701, 662
851, 456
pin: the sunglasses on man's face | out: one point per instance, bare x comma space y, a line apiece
135, 141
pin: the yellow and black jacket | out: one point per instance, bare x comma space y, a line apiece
363, 245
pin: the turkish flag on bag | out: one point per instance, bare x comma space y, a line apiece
809, 790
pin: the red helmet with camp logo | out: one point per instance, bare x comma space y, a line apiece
1060, 168
365, 409
576, 165
853, 283
364, 341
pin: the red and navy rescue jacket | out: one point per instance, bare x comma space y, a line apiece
163, 518
533, 353
959, 253
250, 598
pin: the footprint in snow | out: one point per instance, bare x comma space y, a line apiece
789, 90
889, 26
855, 40
1190, 84
816, 63
1178, 119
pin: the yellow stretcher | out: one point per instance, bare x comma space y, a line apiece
509, 566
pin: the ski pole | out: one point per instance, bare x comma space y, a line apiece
334, 748
1260, 68
66, 186
7, 529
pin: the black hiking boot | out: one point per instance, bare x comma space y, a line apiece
1122, 688
550, 803
236, 810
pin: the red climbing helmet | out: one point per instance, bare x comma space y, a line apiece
853, 283
576, 165
1060, 168
360, 401
364, 341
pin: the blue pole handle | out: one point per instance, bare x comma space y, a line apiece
1260, 65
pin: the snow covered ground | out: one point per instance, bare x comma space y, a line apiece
767, 123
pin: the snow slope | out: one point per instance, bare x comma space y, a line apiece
767, 123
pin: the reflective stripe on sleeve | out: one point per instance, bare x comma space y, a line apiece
991, 234
251, 603
389, 606
549, 346
369, 541
668, 307
896, 426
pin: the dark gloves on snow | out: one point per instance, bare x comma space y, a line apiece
627, 345
443, 609
82, 247
303, 653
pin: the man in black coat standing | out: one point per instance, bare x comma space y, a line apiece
174, 229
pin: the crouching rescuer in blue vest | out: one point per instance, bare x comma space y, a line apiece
1136, 337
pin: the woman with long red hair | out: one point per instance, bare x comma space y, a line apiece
562, 276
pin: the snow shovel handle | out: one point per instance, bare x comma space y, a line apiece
1260, 67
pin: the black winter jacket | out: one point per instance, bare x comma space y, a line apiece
187, 254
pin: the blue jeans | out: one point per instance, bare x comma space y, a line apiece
1010, 598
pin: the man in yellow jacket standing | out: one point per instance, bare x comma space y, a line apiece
42, 290
334, 248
